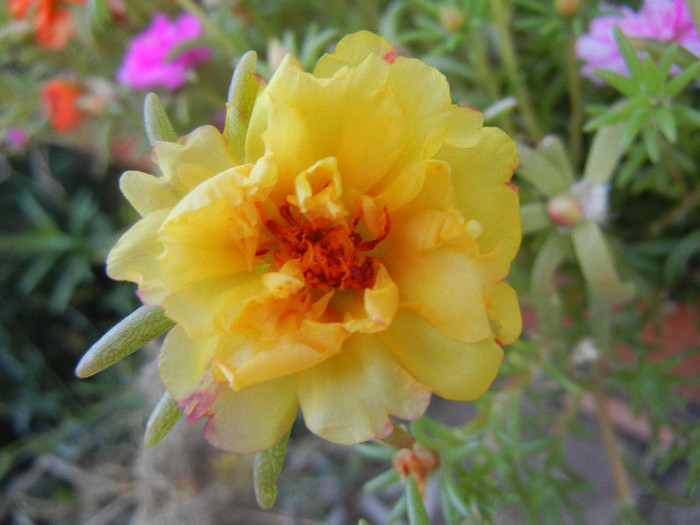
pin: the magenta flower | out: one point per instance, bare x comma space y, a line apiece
665, 20
16, 137
148, 62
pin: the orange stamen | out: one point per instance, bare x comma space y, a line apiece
330, 255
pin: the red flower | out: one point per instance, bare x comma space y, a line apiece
59, 103
53, 25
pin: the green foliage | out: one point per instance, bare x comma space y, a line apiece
515, 61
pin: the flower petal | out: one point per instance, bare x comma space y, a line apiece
147, 193
456, 370
351, 51
504, 314
184, 363
252, 419
350, 397
212, 231
247, 421
481, 177
450, 289
196, 157
210, 305
133, 257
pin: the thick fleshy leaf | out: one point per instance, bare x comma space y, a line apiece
455, 370
130, 334
241, 99
534, 217
544, 292
417, 514
545, 173
597, 263
163, 418
604, 154
266, 468
158, 126
350, 397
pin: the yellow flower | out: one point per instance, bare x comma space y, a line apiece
350, 266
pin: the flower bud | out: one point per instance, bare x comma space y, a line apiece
564, 210
451, 18
567, 8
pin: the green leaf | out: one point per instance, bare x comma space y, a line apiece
100, 15
617, 113
632, 128
383, 480
544, 294
534, 218
158, 125
679, 256
241, 99
686, 116
667, 123
127, 336
622, 83
597, 263
416, 510
651, 143
266, 469
543, 172
604, 154
164, 416
681, 80
629, 54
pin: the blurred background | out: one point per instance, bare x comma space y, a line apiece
594, 418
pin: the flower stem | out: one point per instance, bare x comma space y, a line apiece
501, 19
612, 450
575, 101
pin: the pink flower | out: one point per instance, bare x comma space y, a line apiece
16, 137
665, 20
148, 62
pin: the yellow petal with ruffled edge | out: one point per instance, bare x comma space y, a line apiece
147, 193
350, 397
504, 314
242, 422
456, 370
252, 419
194, 158
481, 177
352, 50
212, 231
133, 257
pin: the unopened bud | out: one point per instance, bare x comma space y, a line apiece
417, 461
564, 210
451, 18
567, 8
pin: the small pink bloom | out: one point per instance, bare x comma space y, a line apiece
148, 64
665, 20
16, 137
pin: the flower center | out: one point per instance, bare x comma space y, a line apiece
330, 255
